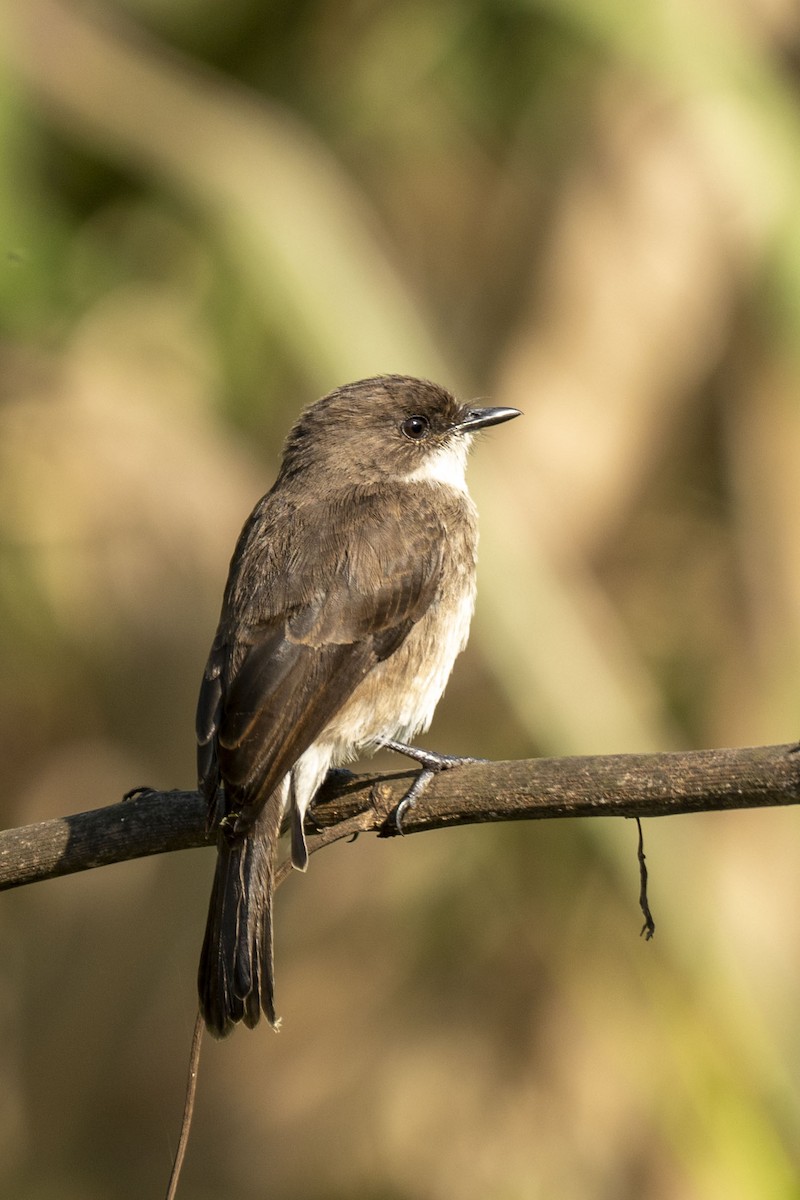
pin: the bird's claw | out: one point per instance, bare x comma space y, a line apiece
411, 796
137, 793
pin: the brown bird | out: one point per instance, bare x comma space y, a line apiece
349, 596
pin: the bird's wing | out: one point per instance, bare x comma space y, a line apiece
296, 639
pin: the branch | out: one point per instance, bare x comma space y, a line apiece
621, 785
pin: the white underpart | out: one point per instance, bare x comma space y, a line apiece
368, 720
440, 653
446, 465
307, 774
363, 725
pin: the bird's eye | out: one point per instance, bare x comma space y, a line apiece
416, 428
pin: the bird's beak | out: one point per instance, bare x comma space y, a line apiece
480, 418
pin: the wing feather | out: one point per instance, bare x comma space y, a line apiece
315, 599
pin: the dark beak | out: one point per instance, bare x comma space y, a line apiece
480, 418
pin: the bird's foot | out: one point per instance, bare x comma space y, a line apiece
431, 764
138, 792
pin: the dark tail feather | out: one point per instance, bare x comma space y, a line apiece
236, 975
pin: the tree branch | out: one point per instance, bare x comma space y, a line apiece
621, 785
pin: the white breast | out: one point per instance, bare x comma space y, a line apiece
446, 465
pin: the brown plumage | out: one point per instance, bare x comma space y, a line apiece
349, 596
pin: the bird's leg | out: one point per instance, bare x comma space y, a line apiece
431, 764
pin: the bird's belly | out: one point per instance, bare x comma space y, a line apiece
398, 697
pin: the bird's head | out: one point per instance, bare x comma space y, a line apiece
391, 426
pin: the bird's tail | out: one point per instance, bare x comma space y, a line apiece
236, 975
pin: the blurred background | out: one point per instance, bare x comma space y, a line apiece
211, 214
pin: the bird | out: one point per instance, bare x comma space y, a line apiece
349, 596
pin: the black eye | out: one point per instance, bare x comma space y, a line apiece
416, 428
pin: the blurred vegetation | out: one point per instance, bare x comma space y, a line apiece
210, 214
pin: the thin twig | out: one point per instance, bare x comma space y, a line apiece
649, 927
188, 1107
